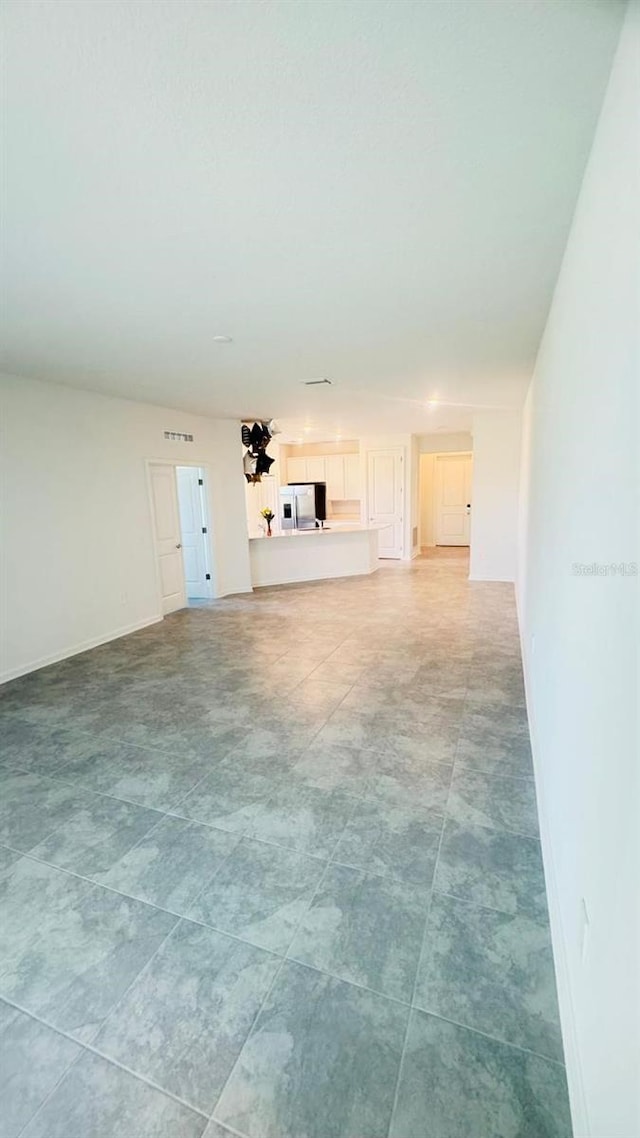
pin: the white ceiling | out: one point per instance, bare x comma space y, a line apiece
378, 191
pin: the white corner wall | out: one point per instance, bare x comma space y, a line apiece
580, 629
415, 496
78, 563
494, 500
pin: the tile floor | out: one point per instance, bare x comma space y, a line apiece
271, 868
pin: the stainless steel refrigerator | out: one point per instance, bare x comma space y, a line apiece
303, 505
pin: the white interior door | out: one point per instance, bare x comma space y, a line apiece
193, 527
453, 499
385, 494
168, 536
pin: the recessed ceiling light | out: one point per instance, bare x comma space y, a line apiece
223, 339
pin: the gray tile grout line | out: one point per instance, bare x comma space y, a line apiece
240, 836
109, 738
92, 1050
267, 995
172, 813
359, 799
76, 1059
152, 746
149, 904
94, 794
464, 767
146, 658
343, 980
487, 1035
280, 969
414, 1005
489, 908
426, 925
418, 965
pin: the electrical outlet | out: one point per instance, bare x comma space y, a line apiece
584, 929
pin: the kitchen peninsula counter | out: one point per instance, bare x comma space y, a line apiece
346, 550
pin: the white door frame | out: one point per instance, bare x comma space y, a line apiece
174, 462
446, 454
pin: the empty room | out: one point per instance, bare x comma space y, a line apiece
319, 607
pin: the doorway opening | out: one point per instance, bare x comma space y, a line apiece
445, 499
182, 533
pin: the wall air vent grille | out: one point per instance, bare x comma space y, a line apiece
178, 437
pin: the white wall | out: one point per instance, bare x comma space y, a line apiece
445, 443
494, 499
580, 633
427, 500
78, 564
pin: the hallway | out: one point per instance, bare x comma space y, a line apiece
273, 865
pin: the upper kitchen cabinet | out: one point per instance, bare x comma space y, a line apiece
334, 466
297, 470
341, 472
352, 476
316, 468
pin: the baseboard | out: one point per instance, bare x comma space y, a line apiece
494, 580
56, 657
579, 1116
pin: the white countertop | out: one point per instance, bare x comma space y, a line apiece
338, 528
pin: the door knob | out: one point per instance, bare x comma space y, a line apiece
178, 546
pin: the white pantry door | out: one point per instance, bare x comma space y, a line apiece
385, 474
453, 499
168, 537
194, 530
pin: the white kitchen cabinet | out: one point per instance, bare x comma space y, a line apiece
297, 470
352, 476
341, 472
316, 471
334, 467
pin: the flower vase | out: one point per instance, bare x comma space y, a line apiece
268, 529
